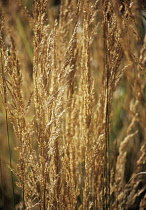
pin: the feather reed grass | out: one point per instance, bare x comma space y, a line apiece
72, 84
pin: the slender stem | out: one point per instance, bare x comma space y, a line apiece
7, 129
107, 100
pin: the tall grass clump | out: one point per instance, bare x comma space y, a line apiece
73, 108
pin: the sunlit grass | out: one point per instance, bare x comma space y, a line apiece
72, 112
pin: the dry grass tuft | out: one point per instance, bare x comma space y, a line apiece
72, 113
